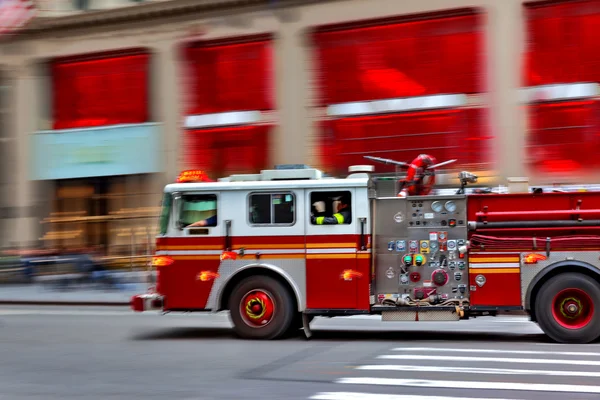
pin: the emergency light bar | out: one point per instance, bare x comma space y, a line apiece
397, 105
193, 176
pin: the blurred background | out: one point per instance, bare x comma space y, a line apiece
103, 102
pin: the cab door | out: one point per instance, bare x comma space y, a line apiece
196, 250
331, 254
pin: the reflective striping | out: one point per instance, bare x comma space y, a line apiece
205, 252
562, 353
459, 384
474, 260
188, 252
490, 359
473, 370
329, 245
248, 257
495, 270
192, 252
277, 256
211, 247
330, 251
377, 396
267, 251
183, 258
314, 256
498, 265
268, 246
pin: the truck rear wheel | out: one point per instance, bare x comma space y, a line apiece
567, 308
261, 308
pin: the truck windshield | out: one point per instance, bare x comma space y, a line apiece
164, 213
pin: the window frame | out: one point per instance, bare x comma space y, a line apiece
164, 219
271, 193
182, 195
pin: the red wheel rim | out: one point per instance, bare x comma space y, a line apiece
257, 308
572, 308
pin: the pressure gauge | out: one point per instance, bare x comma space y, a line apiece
437, 206
450, 206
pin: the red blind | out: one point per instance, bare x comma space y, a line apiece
442, 55
226, 151
444, 134
230, 77
564, 137
563, 43
100, 92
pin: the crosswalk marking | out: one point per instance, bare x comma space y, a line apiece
375, 396
488, 359
406, 368
424, 383
494, 351
468, 370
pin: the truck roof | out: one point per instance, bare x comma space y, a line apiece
326, 183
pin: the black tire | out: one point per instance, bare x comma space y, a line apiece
549, 320
283, 310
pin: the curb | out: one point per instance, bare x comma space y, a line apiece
63, 303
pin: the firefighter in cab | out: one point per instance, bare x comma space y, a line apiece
341, 212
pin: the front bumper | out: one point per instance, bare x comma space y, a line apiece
146, 302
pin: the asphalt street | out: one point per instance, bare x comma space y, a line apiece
111, 353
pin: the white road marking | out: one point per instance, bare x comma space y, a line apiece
424, 383
508, 319
107, 313
430, 349
473, 370
374, 396
489, 359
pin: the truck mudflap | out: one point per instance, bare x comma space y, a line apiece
146, 302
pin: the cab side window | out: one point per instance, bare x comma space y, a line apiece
331, 208
272, 209
198, 210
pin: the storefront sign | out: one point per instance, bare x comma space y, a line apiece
106, 151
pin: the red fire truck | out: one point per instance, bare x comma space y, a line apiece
280, 247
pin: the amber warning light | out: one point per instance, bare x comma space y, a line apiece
161, 261
350, 274
533, 258
193, 176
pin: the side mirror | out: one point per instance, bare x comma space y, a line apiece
177, 202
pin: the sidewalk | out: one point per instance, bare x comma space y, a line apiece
80, 294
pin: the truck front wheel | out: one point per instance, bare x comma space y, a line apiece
261, 308
568, 308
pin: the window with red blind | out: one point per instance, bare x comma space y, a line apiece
401, 59
564, 137
230, 76
563, 42
425, 55
230, 150
100, 90
445, 134
563, 47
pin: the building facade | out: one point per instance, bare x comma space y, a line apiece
111, 99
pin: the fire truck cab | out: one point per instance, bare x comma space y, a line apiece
279, 247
